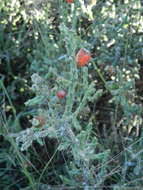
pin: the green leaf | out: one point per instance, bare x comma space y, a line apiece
97, 95
34, 101
63, 146
76, 124
39, 141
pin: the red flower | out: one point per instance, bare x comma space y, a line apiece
70, 1
82, 57
61, 94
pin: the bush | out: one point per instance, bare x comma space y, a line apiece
90, 134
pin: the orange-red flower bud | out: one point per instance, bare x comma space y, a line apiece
61, 94
70, 1
41, 121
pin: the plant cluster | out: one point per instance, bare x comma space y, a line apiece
84, 112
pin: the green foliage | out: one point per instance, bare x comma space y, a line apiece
93, 136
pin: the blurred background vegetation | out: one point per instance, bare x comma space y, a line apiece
32, 42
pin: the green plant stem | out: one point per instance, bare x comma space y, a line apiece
6, 93
74, 17
116, 112
99, 73
46, 166
21, 159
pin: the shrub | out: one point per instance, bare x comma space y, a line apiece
86, 67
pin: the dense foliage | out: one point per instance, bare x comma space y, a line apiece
71, 94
